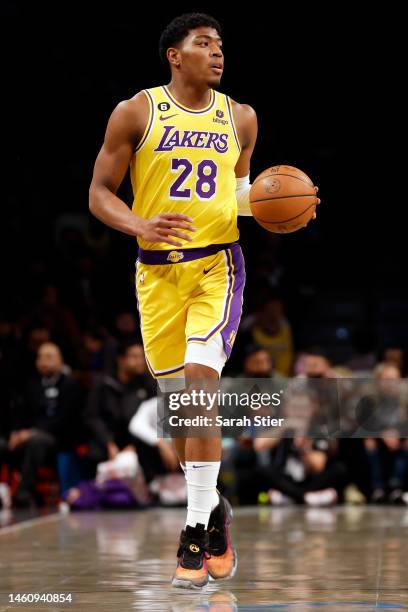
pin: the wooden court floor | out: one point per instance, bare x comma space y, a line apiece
346, 559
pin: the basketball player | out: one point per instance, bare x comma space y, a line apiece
189, 148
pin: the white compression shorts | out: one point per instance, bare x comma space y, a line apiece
211, 354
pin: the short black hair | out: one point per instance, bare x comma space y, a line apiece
178, 29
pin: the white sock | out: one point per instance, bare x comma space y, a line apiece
216, 497
202, 495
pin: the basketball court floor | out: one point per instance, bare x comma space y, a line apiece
346, 559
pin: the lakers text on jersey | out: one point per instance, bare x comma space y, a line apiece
185, 164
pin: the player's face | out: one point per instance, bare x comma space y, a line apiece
201, 56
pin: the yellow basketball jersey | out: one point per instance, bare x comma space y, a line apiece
185, 164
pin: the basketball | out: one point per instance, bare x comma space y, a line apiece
282, 199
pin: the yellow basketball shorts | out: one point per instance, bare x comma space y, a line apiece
188, 296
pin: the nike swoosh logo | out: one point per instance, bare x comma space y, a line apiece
209, 270
200, 466
169, 117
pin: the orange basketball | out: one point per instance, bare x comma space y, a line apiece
282, 199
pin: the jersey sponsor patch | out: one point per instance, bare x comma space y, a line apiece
219, 117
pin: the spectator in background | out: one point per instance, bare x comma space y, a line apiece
47, 420
394, 355
351, 451
302, 470
113, 401
258, 364
289, 465
316, 364
271, 330
387, 454
156, 455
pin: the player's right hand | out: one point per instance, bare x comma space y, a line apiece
318, 202
165, 226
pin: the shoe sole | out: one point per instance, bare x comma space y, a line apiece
179, 583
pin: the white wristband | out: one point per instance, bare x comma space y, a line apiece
242, 193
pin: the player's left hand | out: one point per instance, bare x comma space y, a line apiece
317, 203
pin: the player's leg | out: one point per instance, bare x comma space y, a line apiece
202, 456
212, 320
215, 359
207, 510
163, 304
201, 478
162, 320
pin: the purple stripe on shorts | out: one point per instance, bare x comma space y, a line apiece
160, 258
230, 330
165, 372
224, 316
228, 333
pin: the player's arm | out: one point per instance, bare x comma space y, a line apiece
125, 129
247, 128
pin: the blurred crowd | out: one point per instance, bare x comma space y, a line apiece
97, 424
78, 408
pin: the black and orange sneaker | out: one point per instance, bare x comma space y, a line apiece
192, 556
223, 557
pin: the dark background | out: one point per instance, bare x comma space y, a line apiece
318, 79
